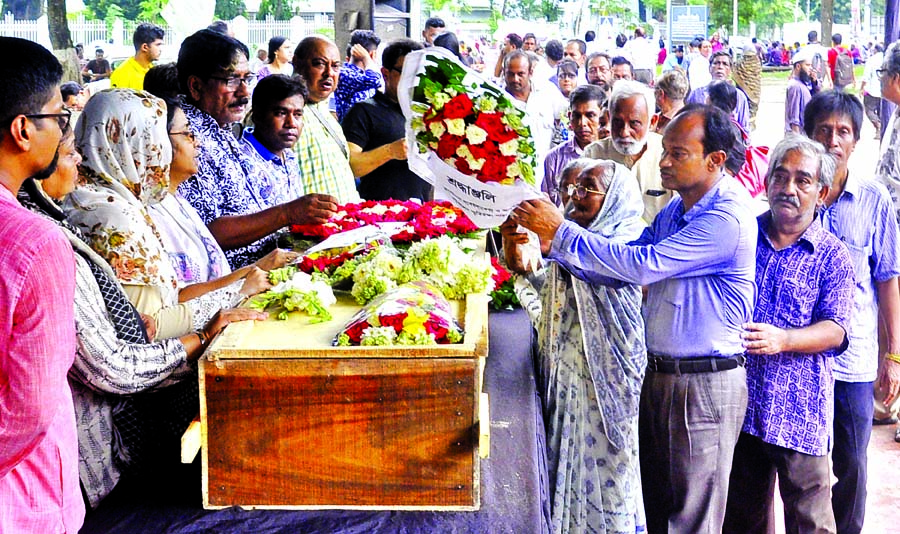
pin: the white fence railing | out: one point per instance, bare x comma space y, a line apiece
251, 32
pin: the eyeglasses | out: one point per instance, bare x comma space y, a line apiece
233, 82
187, 133
579, 191
61, 118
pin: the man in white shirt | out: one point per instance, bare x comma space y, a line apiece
698, 71
544, 105
643, 56
576, 50
871, 88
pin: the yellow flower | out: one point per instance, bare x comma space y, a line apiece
414, 323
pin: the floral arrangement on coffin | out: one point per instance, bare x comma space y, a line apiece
434, 219
296, 290
415, 313
430, 219
471, 125
439, 261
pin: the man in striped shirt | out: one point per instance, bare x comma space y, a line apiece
858, 211
322, 148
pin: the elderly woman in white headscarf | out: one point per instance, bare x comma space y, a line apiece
122, 137
592, 362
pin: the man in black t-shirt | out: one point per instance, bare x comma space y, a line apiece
97, 68
376, 135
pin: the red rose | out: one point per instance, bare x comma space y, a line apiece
485, 151
500, 274
490, 122
459, 107
433, 116
463, 224
436, 327
355, 331
494, 169
493, 125
463, 166
448, 144
395, 321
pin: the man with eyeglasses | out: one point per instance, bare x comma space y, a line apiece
322, 148
376, 135
39, 487
720, 69
697, 260
232, 192
599, 70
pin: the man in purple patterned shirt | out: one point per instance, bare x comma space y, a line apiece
360, 76
805, 283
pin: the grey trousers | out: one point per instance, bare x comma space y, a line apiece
688, 427
803, 480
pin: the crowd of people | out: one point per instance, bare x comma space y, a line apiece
689, 348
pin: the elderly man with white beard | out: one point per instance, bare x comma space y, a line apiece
632, 117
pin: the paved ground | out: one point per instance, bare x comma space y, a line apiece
883, 509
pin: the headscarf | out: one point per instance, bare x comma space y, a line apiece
612, 328
122, 136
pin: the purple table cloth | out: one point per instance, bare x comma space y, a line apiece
515, 495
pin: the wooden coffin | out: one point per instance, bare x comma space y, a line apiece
288, 421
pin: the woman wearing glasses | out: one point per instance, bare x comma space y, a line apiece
592, 361
127, 154
127, 391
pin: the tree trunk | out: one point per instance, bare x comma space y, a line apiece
61, 40
59, 26
827, 11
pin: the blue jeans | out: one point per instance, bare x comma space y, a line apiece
853, 411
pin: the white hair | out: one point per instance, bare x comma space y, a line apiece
623, 89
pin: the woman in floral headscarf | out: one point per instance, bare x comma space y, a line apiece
592, 362
133, 398
123, 139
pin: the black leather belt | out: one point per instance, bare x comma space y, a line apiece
674, 366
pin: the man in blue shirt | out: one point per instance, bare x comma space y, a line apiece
805, 287
277, 115
859, 212
698, 261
